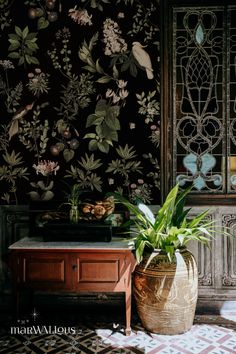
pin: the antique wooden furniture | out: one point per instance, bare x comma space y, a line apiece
73, 267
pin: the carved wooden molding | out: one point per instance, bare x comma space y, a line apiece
228, 247
228, 280
206, 280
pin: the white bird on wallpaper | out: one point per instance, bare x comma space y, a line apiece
143, 58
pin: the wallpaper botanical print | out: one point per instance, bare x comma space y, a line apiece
79, 98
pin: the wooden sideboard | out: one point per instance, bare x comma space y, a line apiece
73, 267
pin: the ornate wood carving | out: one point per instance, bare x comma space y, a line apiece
206, 280
204, 259
228, 246
227, 280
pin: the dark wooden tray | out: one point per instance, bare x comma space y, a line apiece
81, 231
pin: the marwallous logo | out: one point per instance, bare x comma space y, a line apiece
24, 327
42, 330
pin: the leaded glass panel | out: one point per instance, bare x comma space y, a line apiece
204, 127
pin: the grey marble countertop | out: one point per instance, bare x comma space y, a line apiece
38, 243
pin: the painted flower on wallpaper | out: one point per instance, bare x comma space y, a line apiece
83, 99
61, 56
149, 106
80, 16
122, 84
120, 94
155, 135
112, 38
38, 82
44, 191
7, 64
46, 168
140, 191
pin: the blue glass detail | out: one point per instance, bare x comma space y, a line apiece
233, 180
199, 183
181, 180
189, 162
217, 180
207, 163
199, 34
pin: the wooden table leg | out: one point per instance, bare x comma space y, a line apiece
128, 308
128, 305
128, 289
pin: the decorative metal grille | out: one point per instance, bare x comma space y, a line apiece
204, 75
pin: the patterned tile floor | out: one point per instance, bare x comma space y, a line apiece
215, 334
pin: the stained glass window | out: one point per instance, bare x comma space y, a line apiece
204, 99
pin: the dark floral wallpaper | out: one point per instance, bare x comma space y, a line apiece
79, 98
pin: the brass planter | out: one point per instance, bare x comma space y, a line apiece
166, 293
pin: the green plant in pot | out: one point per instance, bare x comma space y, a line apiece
165, 279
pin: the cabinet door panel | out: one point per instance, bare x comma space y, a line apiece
40, 270
43, 270
98, 270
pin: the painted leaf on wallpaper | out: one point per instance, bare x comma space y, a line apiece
76, 98
68, 154
22, 46
42, 23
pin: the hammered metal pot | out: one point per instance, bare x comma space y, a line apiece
166, 293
